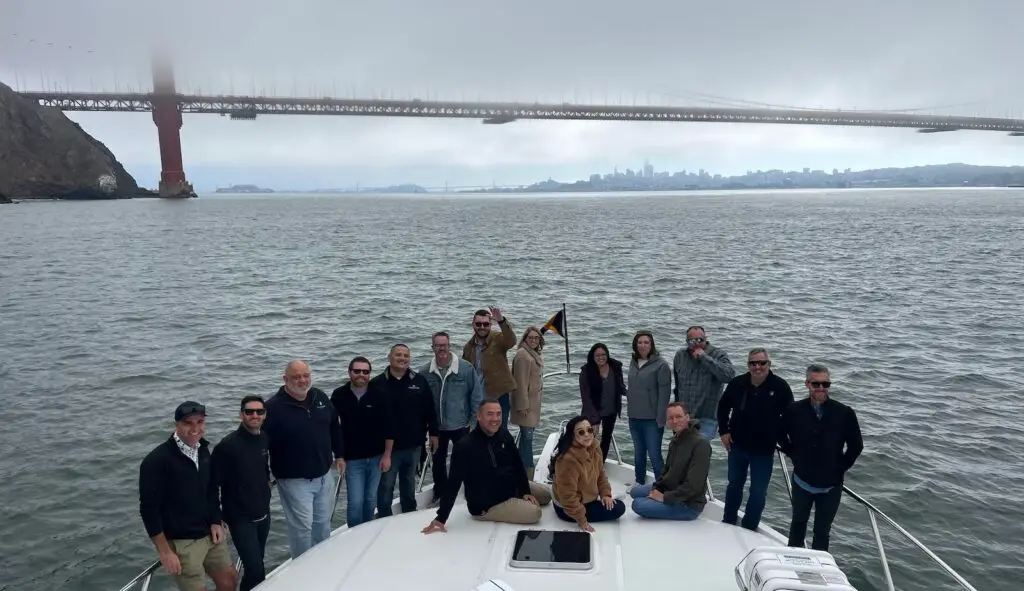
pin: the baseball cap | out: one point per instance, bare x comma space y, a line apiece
188, 408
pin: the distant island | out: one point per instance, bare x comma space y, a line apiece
243, 189
647, 179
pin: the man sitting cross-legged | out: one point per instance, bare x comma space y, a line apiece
679, 492
488, 463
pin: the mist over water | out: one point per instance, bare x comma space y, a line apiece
113, 312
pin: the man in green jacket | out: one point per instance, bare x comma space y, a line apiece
680, 492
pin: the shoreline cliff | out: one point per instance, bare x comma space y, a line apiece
43, 154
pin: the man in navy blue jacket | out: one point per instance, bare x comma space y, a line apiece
823, 438
305, 441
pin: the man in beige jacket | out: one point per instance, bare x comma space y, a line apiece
488, 352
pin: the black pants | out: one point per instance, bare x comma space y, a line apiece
825, 507
250, 539
440, 459
607, 426
596, 512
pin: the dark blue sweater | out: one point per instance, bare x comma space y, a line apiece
305, 437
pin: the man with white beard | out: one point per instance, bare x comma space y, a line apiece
305, 441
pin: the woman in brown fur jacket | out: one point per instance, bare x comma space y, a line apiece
582, 492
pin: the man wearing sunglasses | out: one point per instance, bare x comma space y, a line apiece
749, 423
179, 506
241, 472
369, 438
815, 432
701, 371
488, 351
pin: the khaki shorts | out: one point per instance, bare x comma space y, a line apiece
197, 558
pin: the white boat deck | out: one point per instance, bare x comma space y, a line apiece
631, 553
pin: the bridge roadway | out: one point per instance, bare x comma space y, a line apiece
247, 107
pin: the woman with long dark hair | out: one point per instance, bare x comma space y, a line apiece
647, 398
581, 490
601, 388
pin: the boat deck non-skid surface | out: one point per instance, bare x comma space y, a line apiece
631, 553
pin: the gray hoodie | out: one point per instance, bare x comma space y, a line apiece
649, 389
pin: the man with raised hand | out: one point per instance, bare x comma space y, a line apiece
488, 351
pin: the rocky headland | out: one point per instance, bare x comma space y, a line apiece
43, 154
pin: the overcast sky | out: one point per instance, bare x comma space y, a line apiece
943, 56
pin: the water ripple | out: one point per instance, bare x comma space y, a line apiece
913, 298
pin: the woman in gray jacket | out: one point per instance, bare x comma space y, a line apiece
647, 397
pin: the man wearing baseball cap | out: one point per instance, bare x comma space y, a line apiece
180, 509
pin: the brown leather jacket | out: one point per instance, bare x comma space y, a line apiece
498, 378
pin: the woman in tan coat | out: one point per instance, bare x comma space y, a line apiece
527, 369
582, 492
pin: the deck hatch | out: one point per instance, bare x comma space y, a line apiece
553, 549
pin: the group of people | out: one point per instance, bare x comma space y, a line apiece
378, 431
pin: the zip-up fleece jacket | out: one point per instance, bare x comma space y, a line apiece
411, 407
685, 476
649, 389
240, 469
753, 415
456, 396
175, 498
491, 469
366, 423
305, 437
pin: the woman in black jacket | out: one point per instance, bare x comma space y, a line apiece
601, 388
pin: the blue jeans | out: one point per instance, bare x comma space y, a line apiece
526, 446
403, 469
646, 436
307, 505
709, 428
651, 509
760, 466
506, 407
362, 483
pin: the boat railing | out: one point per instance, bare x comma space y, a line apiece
874, 514
143, 580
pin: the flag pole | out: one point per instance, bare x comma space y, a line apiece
565, 324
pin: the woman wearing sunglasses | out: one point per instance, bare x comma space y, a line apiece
582, 492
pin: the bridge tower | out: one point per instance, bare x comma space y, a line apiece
167, 117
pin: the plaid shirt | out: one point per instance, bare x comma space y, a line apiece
699, 382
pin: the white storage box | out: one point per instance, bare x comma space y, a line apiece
777, 568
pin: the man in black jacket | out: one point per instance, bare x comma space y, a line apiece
179, 506
241, 472
487, 461
305, 441
814, 433
366, 425
411, 406
749, 422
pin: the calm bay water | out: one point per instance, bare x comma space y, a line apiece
113, 312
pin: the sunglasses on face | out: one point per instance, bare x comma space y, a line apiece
255, 411
821, 384
585, 431
481, 324
364, 372
695, 340
757, 362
